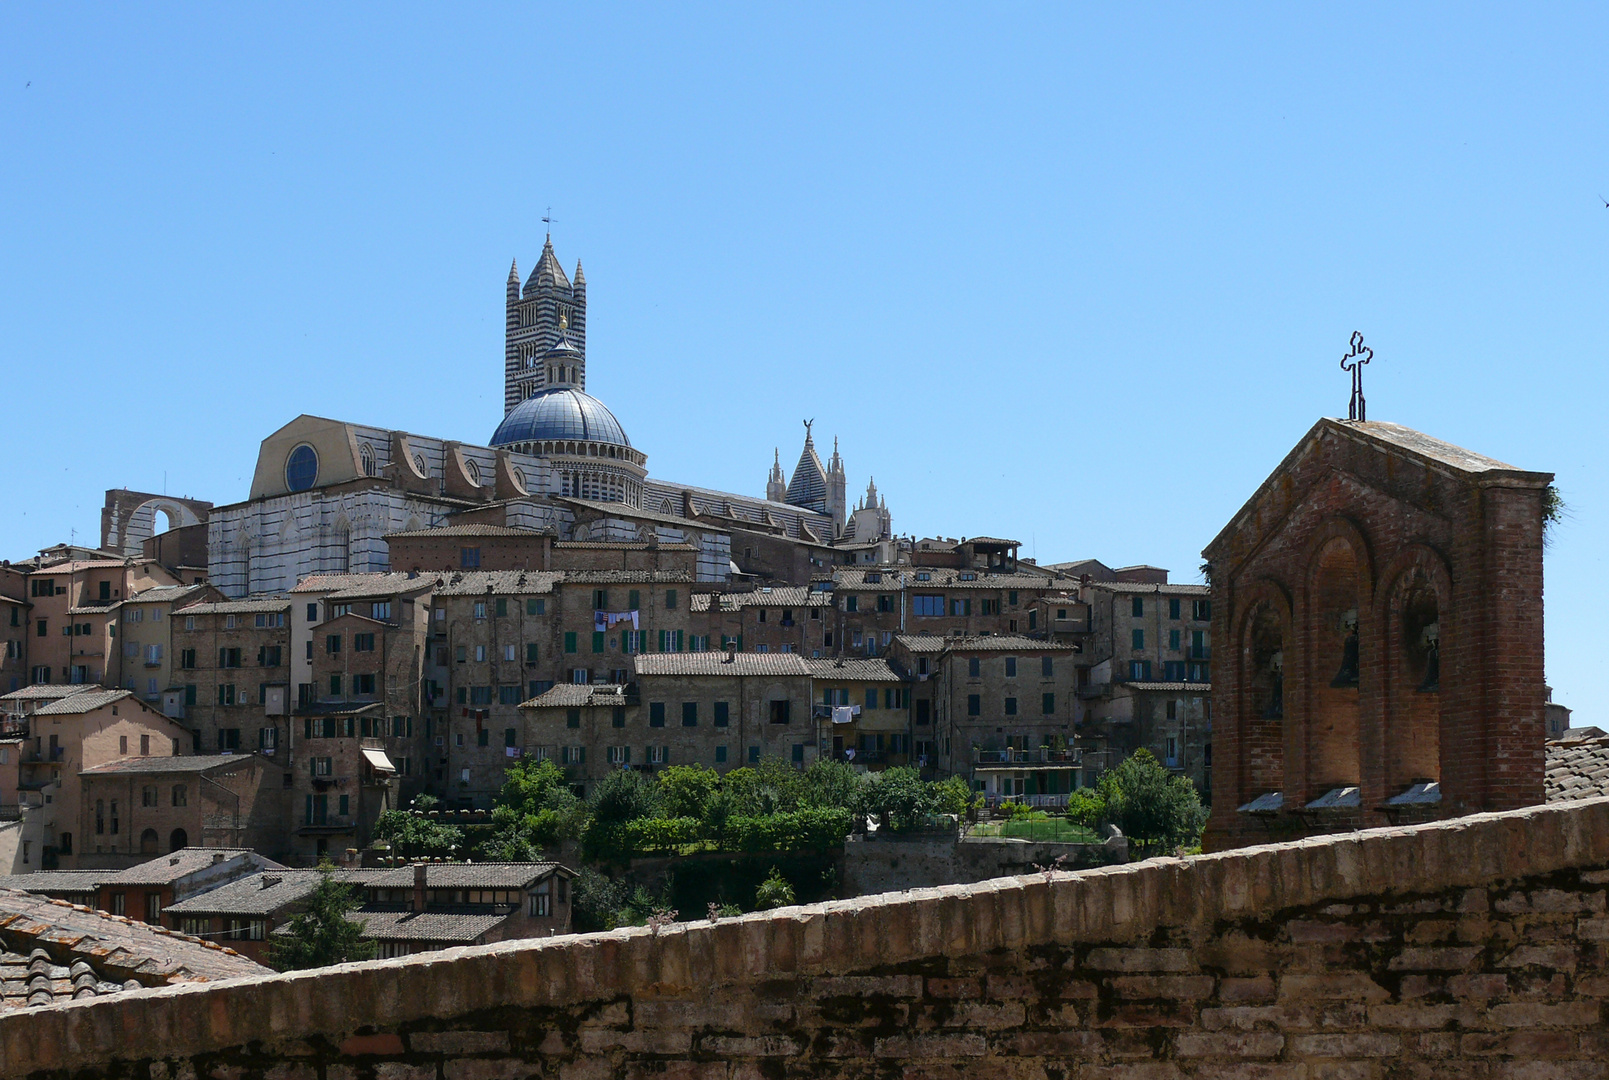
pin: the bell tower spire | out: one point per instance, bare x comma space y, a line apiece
546, 329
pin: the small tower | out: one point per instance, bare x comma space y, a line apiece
837, 496
776, 489
547, 311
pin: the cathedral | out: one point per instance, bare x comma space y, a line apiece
325, 493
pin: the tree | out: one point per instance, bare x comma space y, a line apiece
1150, 804
831, 784
688, 790
898, 798
416, 835
321, 934
533, 811
624, 795
596, 901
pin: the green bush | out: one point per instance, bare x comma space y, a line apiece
774, 892
1151, 805
595, 900
810, 829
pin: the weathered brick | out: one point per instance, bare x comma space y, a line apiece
459, 1042
488, 1069
1234, 991
1137, 959
1538, 1014
1519, 1043
1452, 958
1363, 1044
1345, 985
1187, 987
372, 1044
955, 988
1251, 1044
930, 1046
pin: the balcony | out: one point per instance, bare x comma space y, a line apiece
1041, 757
321, 824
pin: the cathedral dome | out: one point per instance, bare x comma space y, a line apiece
560, 413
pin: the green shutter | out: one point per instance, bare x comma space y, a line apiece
635, 600
597, 641
531, 652
569, 641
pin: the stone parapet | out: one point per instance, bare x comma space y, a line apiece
1454, 944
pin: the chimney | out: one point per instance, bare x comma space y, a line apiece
269, 881
731, 652
217, 857
419, 887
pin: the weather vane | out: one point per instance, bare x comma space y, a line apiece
1361, 354
548, 219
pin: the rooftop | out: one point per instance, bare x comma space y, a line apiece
487, 875
577, 695
862, 669
165, 869
266, 893
1577, 769
52, 881
47, 691
367, 584
150, 766
718, 663
495, 582
444, 926
466, 530
101, 953
260, 605
1137, 588
87, 701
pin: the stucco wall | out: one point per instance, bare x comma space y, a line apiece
1471, 947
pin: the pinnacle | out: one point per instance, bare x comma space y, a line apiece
580, 278
514, 271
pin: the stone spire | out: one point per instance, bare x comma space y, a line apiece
837, 488
548, 272
808, 487
776, 489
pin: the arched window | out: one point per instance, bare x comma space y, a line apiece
179, 839
366, 458
419, 463
474, 471
148, 842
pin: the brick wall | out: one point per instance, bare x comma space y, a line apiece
1474, 947
1383, 531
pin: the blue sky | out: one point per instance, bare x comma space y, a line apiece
1077, 275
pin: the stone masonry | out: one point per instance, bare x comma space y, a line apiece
1475, 947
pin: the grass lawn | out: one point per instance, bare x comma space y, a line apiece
1040, 827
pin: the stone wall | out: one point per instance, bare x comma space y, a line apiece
877, 863
1475, 947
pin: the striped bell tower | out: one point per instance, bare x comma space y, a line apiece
549, 308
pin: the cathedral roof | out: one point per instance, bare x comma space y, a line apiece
562, 347
808, 488
560, 413
548, 271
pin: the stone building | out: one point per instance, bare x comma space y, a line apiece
1004, 714
863, 709
68, 736
326, 494
130, 519
712, 708
142, 659
767, 619
1381, 600
144, 891
231, 661
72, 609
175, 802
1145, 675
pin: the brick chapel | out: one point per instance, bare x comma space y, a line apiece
1378, 609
